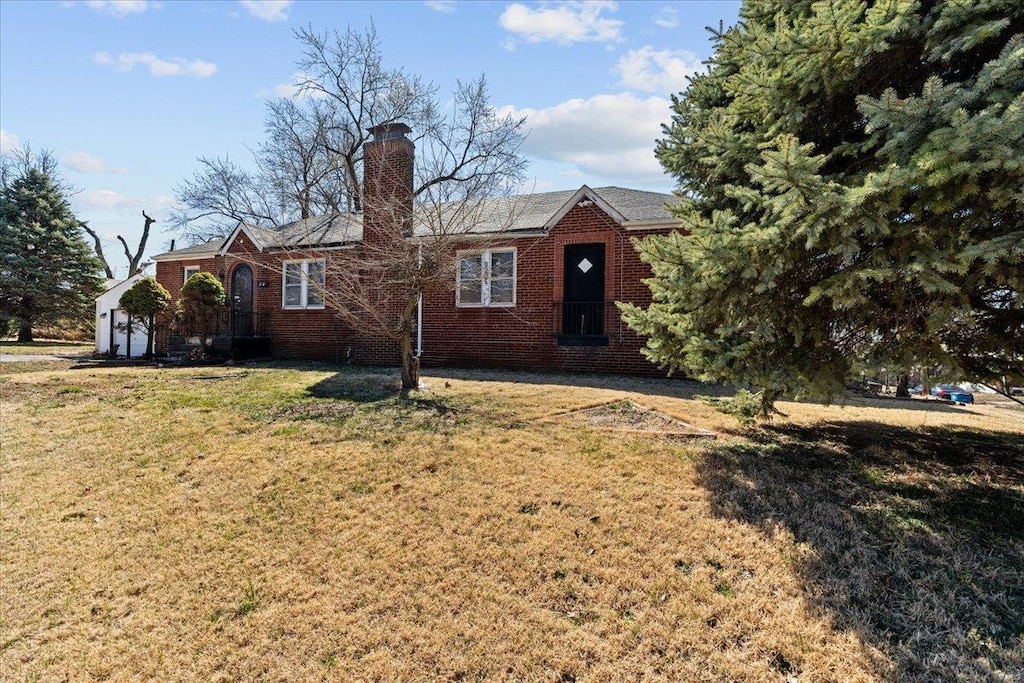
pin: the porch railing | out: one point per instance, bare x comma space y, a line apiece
228, 323
584, 319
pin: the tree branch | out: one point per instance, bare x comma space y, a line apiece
99, 250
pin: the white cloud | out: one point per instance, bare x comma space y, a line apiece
610, 136
110, 200
668, 17
267, 10
564, 23
289, 90
100, 199
653, 70
87, 163
118, 8
8, 141
126, 61
443, 6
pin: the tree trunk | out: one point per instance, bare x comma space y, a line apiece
902, 381
149, 338
410, 364
25, 333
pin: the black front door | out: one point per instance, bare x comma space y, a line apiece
241, 301
583, 300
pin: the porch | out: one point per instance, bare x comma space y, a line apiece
235, 334
584, 323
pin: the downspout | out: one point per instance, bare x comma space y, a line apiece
419, 306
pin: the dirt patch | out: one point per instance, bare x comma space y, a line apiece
627, 416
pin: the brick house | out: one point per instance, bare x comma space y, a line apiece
534, 290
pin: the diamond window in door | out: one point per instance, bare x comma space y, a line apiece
585, 265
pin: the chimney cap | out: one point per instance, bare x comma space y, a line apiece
395, 130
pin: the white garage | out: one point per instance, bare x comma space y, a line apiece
112, 323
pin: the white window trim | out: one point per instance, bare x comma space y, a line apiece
485, 273
304, 281
189, 271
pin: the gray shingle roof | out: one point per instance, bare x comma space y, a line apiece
532, 212
195, 251
638, 205
336, 228
514, 214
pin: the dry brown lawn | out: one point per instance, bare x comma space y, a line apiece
46, 347
300, 523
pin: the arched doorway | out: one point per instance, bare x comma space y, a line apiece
241, 301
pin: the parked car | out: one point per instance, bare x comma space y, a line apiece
952, 393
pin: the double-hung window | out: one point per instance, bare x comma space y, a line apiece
303, 284
486, 278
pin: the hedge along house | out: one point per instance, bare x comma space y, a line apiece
533, 282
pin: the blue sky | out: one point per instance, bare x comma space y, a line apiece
129, 93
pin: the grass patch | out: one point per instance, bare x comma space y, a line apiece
45, 347
913, 538
459, 533
250, 601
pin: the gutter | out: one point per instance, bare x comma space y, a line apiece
419, 308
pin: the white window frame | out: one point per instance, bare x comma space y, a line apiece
304, 283
189, 271
485, 277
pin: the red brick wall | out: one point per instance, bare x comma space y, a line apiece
171, 274
523, 336
519, 337
314, 334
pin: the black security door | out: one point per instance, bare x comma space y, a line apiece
583, 300
241, 301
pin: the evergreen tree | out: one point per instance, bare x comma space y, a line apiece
146, 299
202, 300
850, 181
48, 274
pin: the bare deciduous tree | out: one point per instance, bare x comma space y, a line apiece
135, 265
409, 240
347, 70
376, 289
314, 162
311, 160
98, 248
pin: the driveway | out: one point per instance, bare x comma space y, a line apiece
24, 357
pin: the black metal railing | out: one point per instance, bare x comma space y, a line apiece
226, 323
584, 319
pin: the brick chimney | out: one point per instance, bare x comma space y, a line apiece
387, 183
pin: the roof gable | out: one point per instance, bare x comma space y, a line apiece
120, 287
580, 198
249, 231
